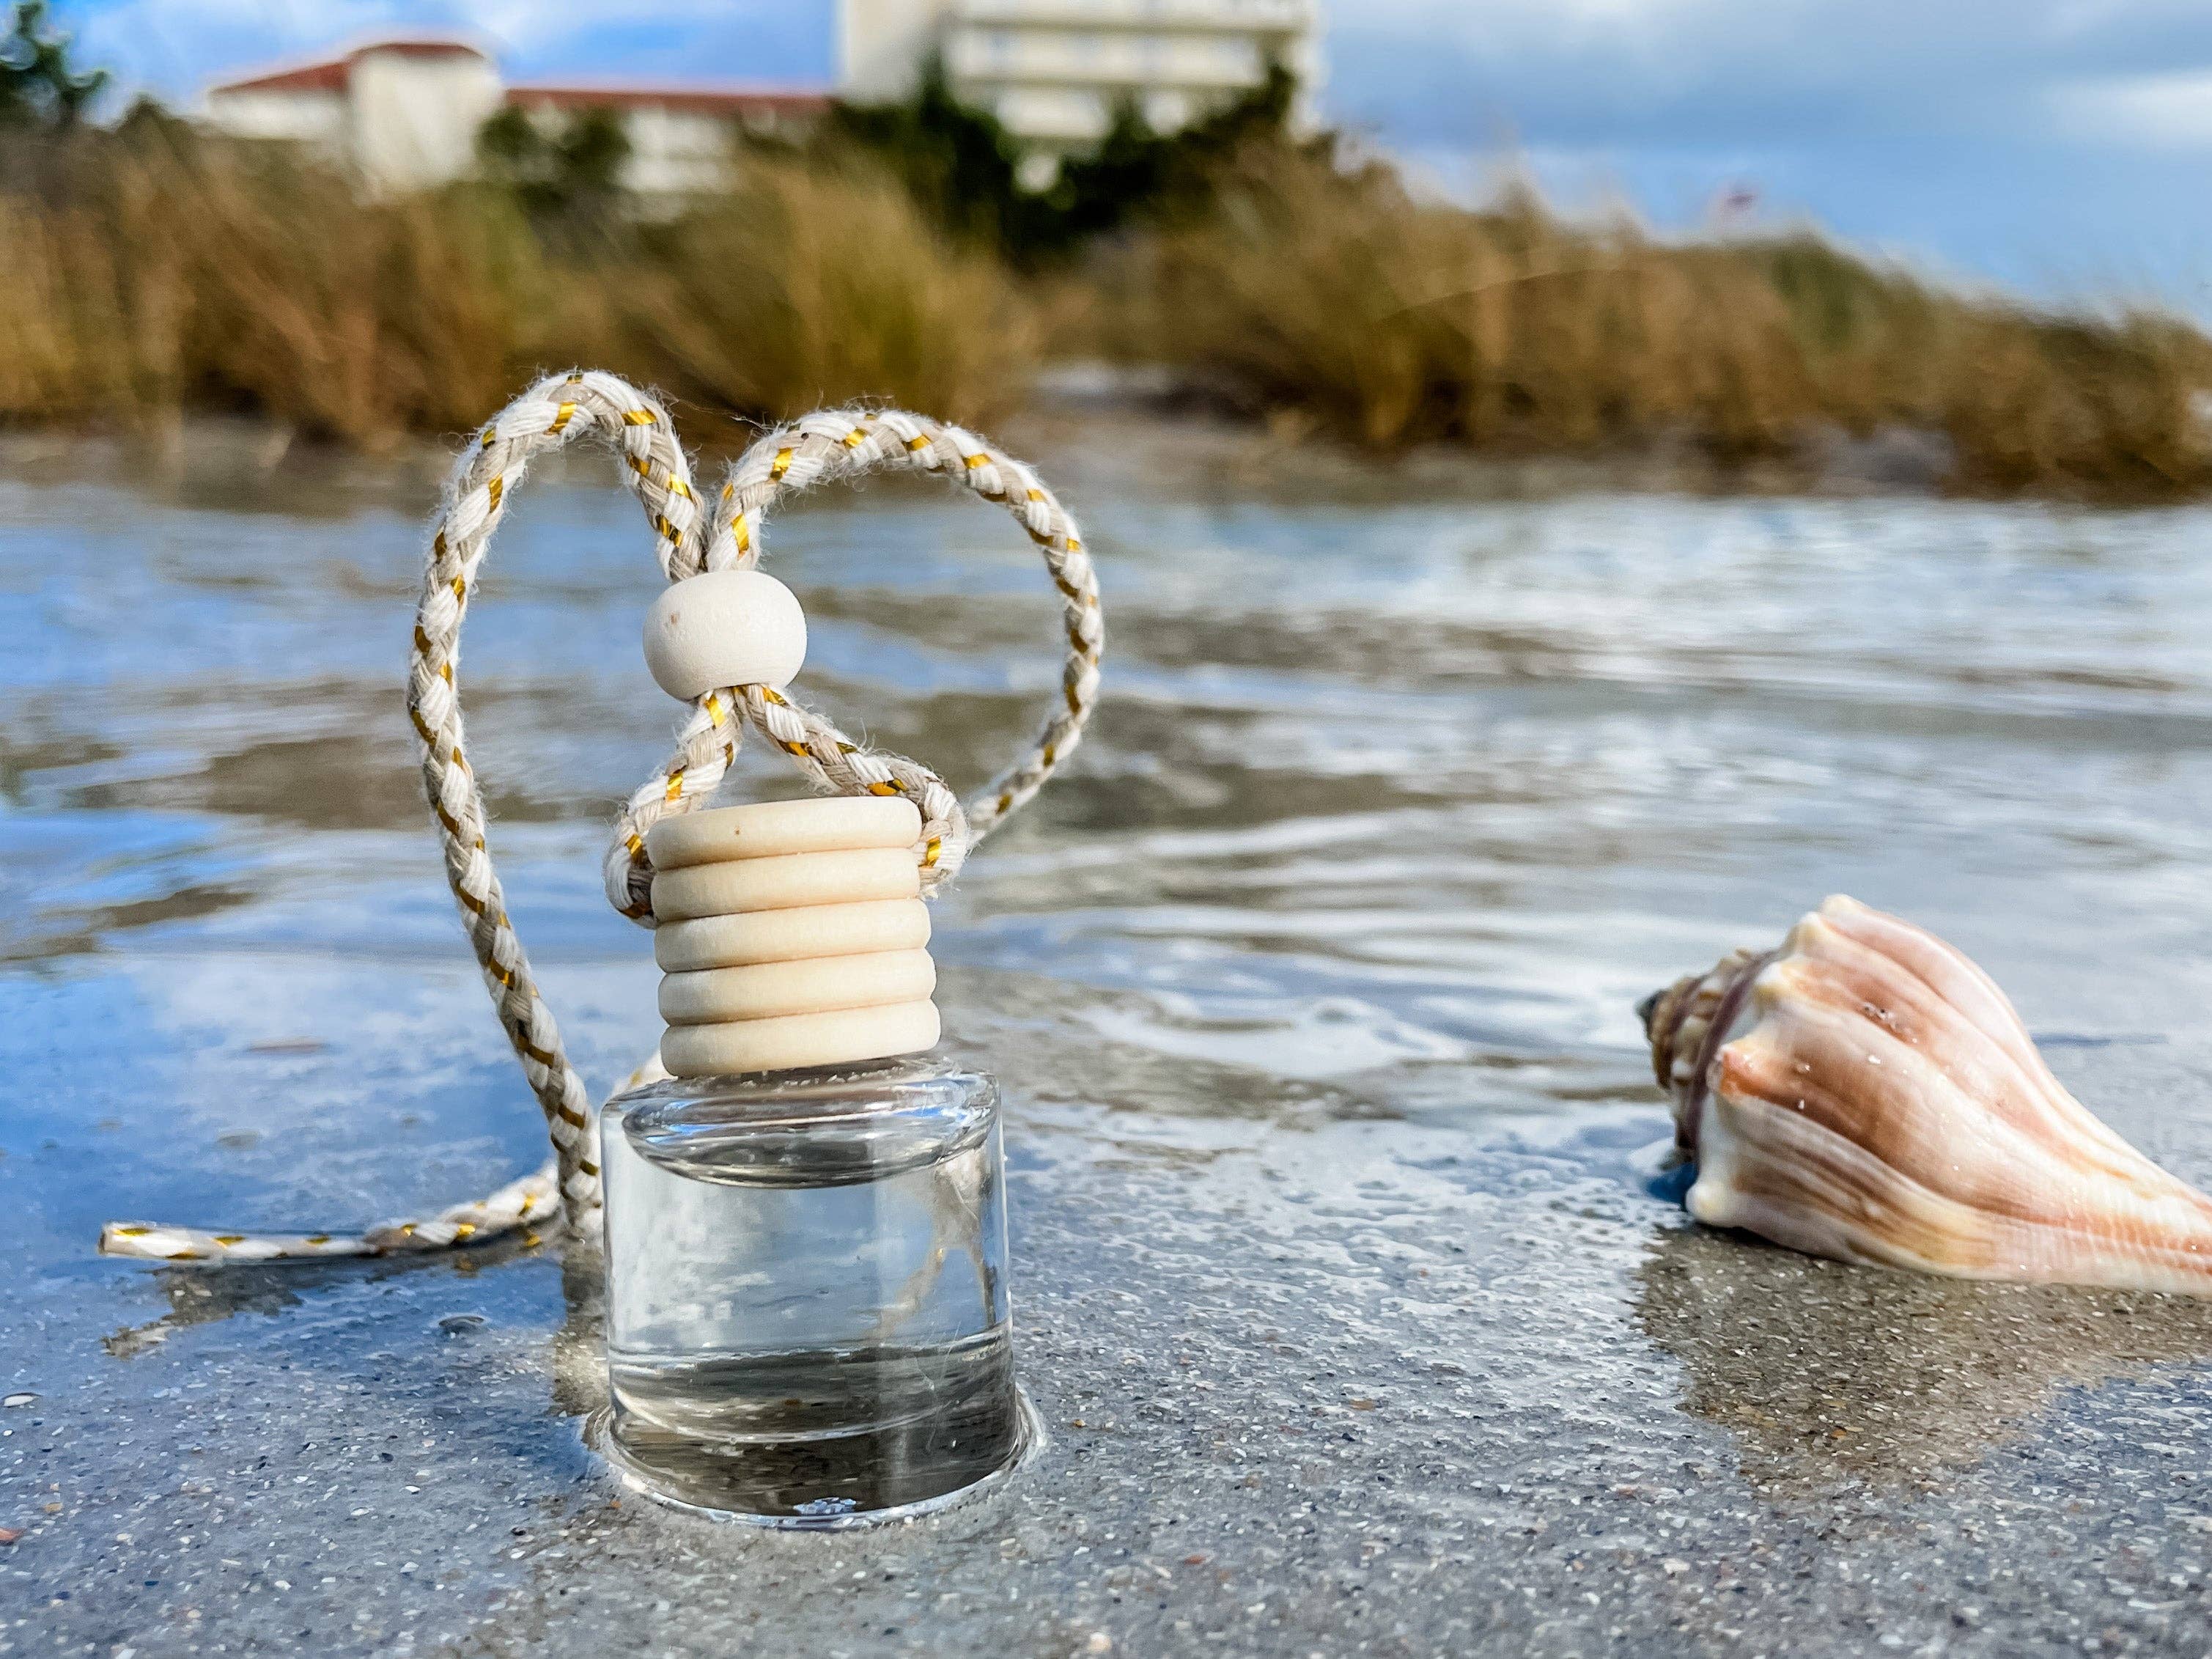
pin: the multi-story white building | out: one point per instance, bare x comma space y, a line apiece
404, 114
1054, 71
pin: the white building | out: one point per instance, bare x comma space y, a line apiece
404, 113
1054, 71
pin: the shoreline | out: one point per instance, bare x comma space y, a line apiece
1143, 416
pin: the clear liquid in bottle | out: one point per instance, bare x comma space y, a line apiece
807, 1319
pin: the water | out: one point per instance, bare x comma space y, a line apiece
807, 1310
801, 1439
1310, 988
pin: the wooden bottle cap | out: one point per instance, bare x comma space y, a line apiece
786, 883
813, 985
829, 823
846, 1037
822, 930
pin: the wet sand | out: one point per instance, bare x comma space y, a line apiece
1341, 1283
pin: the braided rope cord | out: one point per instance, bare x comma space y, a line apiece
823, 447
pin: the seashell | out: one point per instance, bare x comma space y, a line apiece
1867, 1093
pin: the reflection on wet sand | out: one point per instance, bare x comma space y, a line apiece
580, 1360
207, 1296
1824, 1373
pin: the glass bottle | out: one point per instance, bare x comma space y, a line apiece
807, 1319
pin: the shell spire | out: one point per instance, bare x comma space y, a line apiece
1867, 1093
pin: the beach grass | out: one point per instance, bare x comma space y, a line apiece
153, 272
161, 274
1329, 295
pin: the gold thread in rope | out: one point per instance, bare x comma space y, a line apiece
638, 416
782, 464
856, 437
913, 445
562, 417
495, 490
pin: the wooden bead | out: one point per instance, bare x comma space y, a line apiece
819, 930
772, 829
725, 628
816, 985
787, 882
839, 1038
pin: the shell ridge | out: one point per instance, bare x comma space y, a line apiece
2043, 1188
1956, 1237
2023, 1085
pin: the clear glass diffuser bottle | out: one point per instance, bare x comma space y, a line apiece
807, 1320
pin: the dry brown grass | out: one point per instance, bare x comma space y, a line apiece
1328, 294
152, 272
159, 274
809, 283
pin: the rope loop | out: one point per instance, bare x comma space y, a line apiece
848, 444
688, 541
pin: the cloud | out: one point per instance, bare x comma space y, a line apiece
2171, 111
1768, 72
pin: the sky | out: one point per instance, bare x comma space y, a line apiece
2063, 146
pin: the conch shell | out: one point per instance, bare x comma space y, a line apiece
1867, 1093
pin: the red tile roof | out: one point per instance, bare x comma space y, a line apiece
333, 74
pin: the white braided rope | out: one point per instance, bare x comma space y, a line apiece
823, 446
